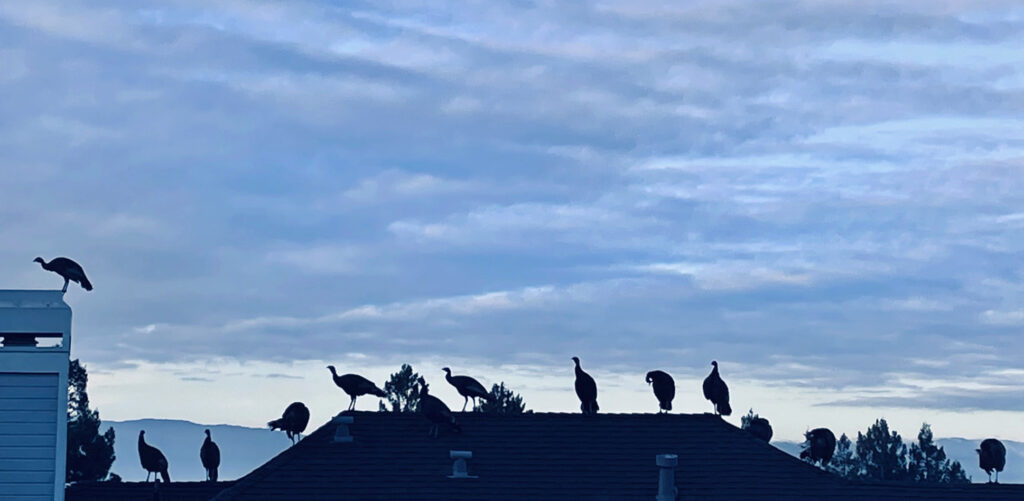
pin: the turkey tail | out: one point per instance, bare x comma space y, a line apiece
213, 474
667, 406
724, 409
86, 284
166, 476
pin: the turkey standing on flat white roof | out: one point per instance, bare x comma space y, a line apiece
586, 390
992, 456
293, 421
436, 412
664, 388
153, 461
70, 270
355, 385
467, 387
209, 454
716, 391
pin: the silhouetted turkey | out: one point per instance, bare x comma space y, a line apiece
992, 456
209, 454
355, 385
293, 421
760, 428
68, 269
436, 412
821, 444
664, 388
467, 387
153, 461
586, 389
716, 391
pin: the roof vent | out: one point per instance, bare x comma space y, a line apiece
341, 433
666, 476
459, 467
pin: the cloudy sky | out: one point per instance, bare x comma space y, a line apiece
825, 197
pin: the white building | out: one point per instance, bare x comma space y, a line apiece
35, 327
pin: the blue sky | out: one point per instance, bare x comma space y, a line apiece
826, 198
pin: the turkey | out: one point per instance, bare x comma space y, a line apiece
467, 387
436, 412
716, 391
68, 269
760, 428
153, 461
355, 385
992, 456
821, 444
586, 389
664, 388
209, 454
293, 421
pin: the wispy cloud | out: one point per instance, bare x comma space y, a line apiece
819, 194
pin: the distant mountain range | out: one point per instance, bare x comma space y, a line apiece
962, 450
243, 449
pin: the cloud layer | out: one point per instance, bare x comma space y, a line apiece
817, 194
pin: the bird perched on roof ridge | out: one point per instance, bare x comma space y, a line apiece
355, 385
821, 444
68, 269
664, 388
153, 461
467, 387
586, 390
717, 391
293, 422
760, 428
209, 455
436, 412
992, 456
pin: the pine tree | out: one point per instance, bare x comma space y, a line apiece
883, 455
928, 462
89, 454
745, 420
502, 401
844, 463
402, 393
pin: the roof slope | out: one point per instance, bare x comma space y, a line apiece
548, 456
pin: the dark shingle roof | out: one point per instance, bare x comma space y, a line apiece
557, 456
143, 491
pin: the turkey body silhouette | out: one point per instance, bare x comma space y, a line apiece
153, 461
293, 422
67, 269
586, 389
717, 391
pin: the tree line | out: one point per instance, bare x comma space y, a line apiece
881, 454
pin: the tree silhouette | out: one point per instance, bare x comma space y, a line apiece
89, 454
928, 462
501, 401
401, 390
745, 420
883, 455
844, 463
